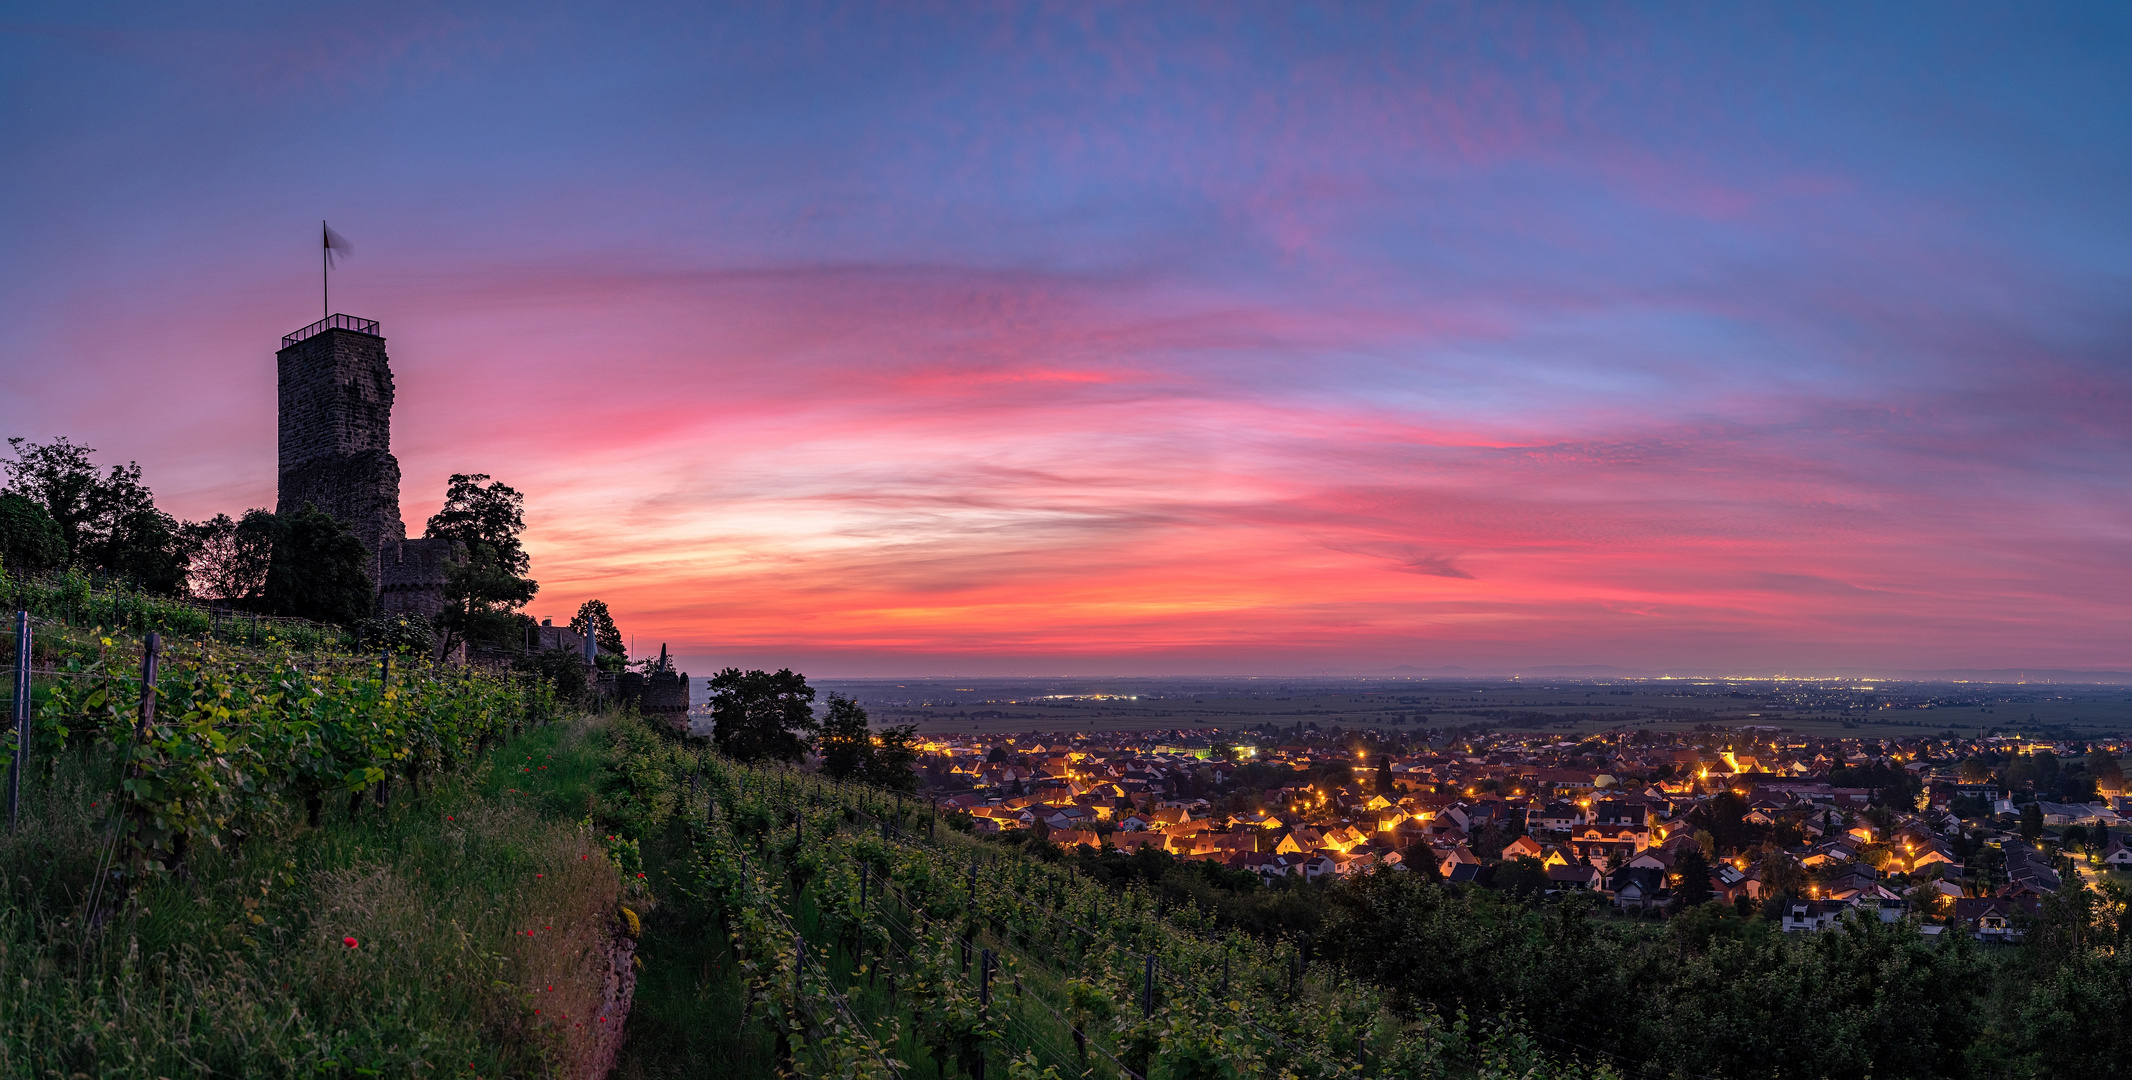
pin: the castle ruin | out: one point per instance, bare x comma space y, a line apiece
662, 694
335, 389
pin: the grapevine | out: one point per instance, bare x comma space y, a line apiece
1028, 969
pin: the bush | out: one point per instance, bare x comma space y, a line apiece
401, 634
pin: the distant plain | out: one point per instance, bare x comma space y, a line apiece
1572, 707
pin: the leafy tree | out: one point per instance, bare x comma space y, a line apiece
852, 750
1782, 873
487, 588
231, 558
895, 764
1724, 816
134, 540
2104, 767
319, 569
1523, 877
2033, 772
2031, 820
1384, 775
564, 669
1695, 928
29, 538
2077, 786
846, 742
59, 477
1775, 903
593, 619
1975, 770
1927, 899
756, 715
108, 521
1694, 888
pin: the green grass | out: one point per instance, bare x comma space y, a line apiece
238, 967
687, 1021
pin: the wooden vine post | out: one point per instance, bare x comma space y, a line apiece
21, 759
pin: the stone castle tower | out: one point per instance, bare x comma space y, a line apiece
336, 428
336, 453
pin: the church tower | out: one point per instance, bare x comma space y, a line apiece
336, 428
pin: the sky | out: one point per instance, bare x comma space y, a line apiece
900, 339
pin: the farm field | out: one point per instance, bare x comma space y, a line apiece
1862, 710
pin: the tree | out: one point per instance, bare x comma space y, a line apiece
2104, 767
1694, 888
59, 477
2037, 771
486, 589
1782, 873
1975, 770
564, 669
1384, 775
231, 559
896, 758
319, 569
593, 619
1724, 816
846, 742
134, 540
852, 750
2031, 820
1522, 877
29, 538
758, 716
109, 522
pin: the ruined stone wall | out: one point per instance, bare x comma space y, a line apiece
665, 698
336, 433
410, 575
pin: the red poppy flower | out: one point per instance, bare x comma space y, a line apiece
348, 941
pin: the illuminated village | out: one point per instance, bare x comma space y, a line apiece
1802, 830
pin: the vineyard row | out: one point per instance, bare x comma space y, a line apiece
867, 942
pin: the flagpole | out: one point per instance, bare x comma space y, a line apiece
325, 277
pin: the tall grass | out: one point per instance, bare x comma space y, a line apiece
484, 931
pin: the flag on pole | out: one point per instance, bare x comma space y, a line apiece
337, 246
